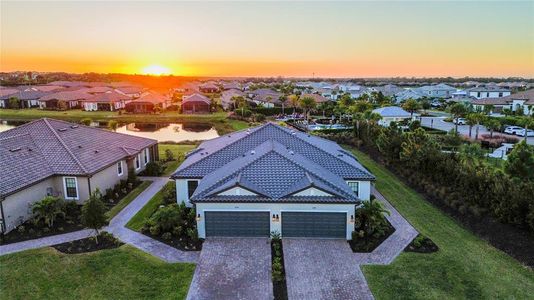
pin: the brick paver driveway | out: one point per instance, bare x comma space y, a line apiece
323, 269
233, 268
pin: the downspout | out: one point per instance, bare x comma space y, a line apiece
89, 184
3, 225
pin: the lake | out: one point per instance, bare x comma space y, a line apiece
175, 132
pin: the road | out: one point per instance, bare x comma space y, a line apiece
439, 123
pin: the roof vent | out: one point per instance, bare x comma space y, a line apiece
80, 146
30, 150
15, 149
252, 152
293, 133
96, 151
291, 152
74, 126
62, 129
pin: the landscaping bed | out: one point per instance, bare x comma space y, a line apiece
368, 242
278, 269
422, 244
105, 241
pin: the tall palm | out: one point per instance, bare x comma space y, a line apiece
49, 209
471, 120
492, 125
479, 118
370, 216
371, 118
457, 110
294, 101
527, 122
307, 103
283, 100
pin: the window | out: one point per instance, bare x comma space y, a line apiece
354, 186
500, 94
191, 187
146, 156
119, 168
137, 162
71, 188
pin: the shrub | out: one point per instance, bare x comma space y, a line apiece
154, 168
169, 155
277, 270
48, 209
258, 117
86, 121
132, 177
166, 218
275, 236
169, 193
192, 234
93, 212
166, 236
370, 218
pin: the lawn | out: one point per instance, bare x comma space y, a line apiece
465, 267
121, 273
178, 150
137, 222
127, 199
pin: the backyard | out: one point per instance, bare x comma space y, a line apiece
464, 267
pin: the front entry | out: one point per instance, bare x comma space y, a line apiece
314, 224
237, 224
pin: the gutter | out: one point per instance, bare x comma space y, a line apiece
3, 224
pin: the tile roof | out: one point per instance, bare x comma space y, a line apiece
129, 90
392, 111
25, 95
153, 97
274, 162
527, 96
7, 93
108, 97
46, 147
196, 98
67, 96
316, 97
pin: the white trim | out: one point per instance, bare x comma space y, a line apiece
122, 169
65, 188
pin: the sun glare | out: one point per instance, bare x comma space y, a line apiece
156, 70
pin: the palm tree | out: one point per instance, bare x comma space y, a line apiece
307, 103
294, 101
492, 125
48, 210
527, 122
282, 100
489, 108
479, 118
411, 105
371, 118
471, 121
370, 216
457, 110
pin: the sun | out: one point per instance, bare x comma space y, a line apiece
156, 70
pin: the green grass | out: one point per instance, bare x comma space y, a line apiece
238, 125
465, 266
137, 222
171, 166
122, 273
127, 199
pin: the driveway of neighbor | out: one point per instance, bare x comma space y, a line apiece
233, 268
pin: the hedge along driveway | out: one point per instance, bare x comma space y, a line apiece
465, 266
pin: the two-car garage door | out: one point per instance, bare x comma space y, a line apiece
294, 224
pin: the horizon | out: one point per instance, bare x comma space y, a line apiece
341, 39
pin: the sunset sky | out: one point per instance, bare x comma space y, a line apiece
330, 39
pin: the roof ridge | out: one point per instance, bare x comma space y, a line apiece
14, 136
64, 145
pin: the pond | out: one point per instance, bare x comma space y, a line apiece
175, 132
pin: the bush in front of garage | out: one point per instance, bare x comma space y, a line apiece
371, 227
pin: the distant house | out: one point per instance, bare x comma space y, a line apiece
391, 114
488, 92
497, 104
208, 87
440, 90
130, 91
195, 104
49, 157
5, 94
265, 97
147, 103
388, 90
98, 90
318, 98
227, 101
28, 98
108, 101
408, 94
231, 85
522, 101
63, 100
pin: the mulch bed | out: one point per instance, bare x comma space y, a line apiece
368, 244
105, 241
111, 200
422, 244
180, 243
279, 287
29, 231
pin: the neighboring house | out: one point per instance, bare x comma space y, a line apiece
98, 90
265, 97
523, 101
440, 90
498, 104
408, 94
195, 104
147, 103
226, 98
272, 179
388, 90
28, 98
57, 158
231, 85
5, 94
63, 100
130, 91
488, 92
208, 87
69, 84
108, 101
318, 98
391, 114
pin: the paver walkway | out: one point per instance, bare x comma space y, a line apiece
118, 229
328, 269
233, 268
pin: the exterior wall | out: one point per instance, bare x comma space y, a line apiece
108, 177
274, 208
386, 121
488, 94
182, 194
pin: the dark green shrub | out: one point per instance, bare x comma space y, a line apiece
166, 236
169, 193
48, 210
169, 155
166, 218
154, 168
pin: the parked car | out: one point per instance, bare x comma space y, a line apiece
460, 121
521, 132
513, 129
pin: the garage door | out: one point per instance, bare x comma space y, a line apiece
314, 224
247, 224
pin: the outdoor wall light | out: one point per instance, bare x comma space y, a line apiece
276, 218
351, 219
198, 217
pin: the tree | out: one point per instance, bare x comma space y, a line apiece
527, 122
411, 105
14, 102
457, 110
471, 154
113, 125
294, 101
283, 100
93, 212
86, 121
307, 103
425, 104
479, 118
488, 109
48, 210
371, 118
419, 150
471, 121
520, 162
492, 125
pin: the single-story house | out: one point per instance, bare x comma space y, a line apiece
408, 94
226, 98
265, 97
231, 85
318, 98
98, 90
498, 104
272, 179
488, 92
108, 101
147, 102
5, 94
440, 90
28, 98
130, 91
391, 114
523, 100
195, 103
208, 87
63, 100
48, 157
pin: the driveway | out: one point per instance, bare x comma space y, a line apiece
233, 268
323, 269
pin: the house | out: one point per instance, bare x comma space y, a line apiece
266, 97
208, 87
408, 94
147, 103
497, 104
195, 103
231, 85
388, 90
51, 157
63, 100
28, 98
5, 94
488, 92
318, 98
523, 100
272, 179
227, 101
108, 101
98, 90
391, 114
440, 90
